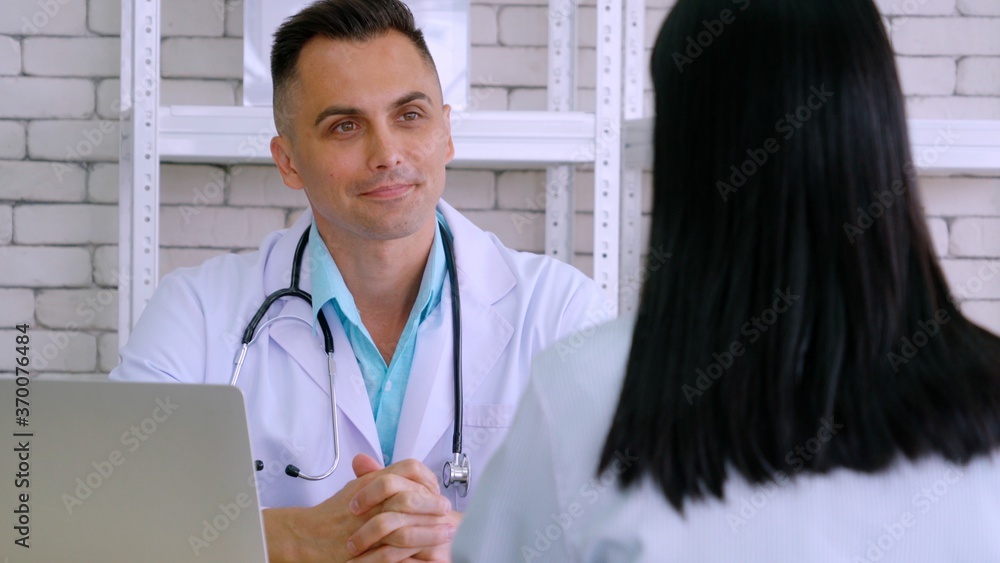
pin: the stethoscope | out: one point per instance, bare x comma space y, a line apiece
457, 471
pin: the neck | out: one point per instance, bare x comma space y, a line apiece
383, 276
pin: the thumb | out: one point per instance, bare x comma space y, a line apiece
364, 464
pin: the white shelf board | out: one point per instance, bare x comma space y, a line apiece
232, 135
939, 146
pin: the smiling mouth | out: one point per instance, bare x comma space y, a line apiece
389, 192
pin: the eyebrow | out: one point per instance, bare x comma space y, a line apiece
347, 110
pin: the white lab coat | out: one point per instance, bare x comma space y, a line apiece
513, 305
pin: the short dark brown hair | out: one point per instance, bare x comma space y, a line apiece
345, 20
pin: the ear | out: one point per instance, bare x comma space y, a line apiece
447, 128
281, 152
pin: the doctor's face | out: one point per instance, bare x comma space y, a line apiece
369, 137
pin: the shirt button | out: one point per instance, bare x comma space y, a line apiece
388, 386
385, 460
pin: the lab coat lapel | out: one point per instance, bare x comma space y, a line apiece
306, 348
428, 407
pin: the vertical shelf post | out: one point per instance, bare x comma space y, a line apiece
608, 144
559, 201
139, 189
631, 178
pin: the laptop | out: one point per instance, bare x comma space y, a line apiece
107, 471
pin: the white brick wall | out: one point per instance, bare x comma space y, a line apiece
107, 351
916, 7
12, 140
930, 76
6, 224
975, 237
106, 272
215, 227
262, 186
979, 7
72, 56
102, 183
54, 351
104, 17
945, 36
979, 76
59, 90
202, 58
19, 307
34, 17
10, 56
28, 97
86, 140
234, 18
78, 308
39, 266
65, 224
41, 181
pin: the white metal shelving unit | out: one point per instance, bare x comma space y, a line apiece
615, 139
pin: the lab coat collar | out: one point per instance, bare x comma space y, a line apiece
478, 259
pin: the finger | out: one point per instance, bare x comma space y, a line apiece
418, 472
400, 530
441, 553
364, 464
385, 554
417, 502
384, 487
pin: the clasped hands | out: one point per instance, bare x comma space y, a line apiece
384, 515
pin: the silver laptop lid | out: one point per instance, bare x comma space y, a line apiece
102, 471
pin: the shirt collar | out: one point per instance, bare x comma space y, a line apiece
328, 285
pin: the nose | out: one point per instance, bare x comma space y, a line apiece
385, 152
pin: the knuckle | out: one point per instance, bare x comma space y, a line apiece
384, 523
411, 502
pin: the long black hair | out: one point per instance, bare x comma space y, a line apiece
804, 323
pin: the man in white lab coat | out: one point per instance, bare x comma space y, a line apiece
364, 131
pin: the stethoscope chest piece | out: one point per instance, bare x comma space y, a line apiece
457, 472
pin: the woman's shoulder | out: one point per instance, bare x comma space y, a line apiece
594, 347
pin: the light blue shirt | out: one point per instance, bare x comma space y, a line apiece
386, 385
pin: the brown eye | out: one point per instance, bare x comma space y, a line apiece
345, 127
